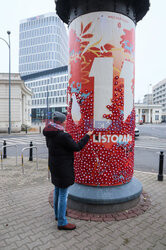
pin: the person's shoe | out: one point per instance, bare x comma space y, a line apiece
67, 227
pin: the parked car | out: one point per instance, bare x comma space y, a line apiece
136, 132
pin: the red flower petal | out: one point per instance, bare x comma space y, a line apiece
87, 27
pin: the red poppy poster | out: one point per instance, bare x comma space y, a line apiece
101, 97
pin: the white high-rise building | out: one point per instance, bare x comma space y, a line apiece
159, 96
43, 44
148, 99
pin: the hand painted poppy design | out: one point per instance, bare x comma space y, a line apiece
108, 158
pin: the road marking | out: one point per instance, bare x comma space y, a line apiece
36, 140
150, 143
143, 172
147, 147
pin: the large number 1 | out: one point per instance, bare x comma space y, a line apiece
102, 71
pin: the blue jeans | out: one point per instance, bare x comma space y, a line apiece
60, 205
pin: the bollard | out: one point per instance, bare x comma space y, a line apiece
26, 129
1, 161
40, 129
4, 150
31, 152
161, 161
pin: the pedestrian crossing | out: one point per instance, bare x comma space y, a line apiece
24, 140
148, 142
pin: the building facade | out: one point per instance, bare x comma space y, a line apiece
49, 90
43, 44
159, 96
20, 103
146, 113
148, 99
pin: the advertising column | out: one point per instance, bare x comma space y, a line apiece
101, 96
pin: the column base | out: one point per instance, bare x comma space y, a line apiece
103, 200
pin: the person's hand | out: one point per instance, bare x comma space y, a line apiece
90, 132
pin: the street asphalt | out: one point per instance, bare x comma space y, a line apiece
27, 219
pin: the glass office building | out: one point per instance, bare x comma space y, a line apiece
49, 89
43, 56
43, 44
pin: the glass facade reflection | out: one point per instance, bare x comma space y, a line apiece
43, 56
49, 92
43, 44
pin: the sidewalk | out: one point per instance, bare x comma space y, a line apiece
27, 219
32, 132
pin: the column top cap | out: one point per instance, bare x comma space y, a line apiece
68, 10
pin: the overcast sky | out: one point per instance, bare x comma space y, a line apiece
150, 39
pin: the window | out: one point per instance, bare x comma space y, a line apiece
156, 117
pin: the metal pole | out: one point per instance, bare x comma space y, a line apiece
22, 163
4, 150
1, 161
47, 102
8, 44
36, 159
161, 161
9, 131
31, 152
48, 169
22, 159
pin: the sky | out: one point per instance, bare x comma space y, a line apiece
150, 60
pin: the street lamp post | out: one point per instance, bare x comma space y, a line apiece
8, 44
47, 102
9, 129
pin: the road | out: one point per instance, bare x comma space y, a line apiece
153, 130
148, 145
23, 141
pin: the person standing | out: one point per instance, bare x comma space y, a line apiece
61, 149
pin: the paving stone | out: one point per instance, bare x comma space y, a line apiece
158, 246
22, 242
24, 247
163, 241
73, 241
36, 243
12, 239
27, 219
10, 247
48, 246
2, 244
145, 245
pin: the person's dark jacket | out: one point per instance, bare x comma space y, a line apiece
61, 148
